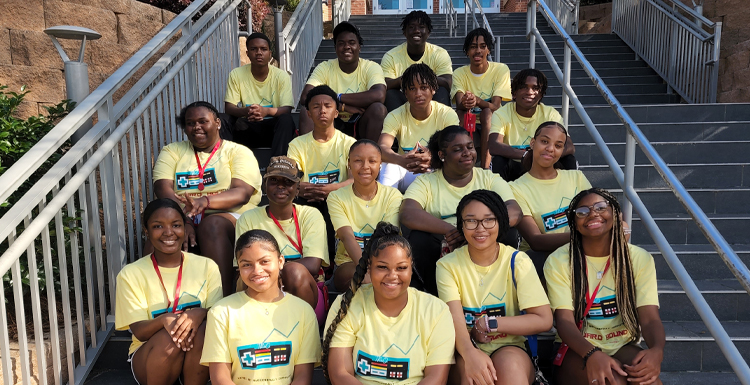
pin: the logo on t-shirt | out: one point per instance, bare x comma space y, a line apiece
554, 220
265, 355
325, 177
190, 180
363, 235
604, 308
382, 367
290, 253
473, 313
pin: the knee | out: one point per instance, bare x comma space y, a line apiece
215, 226
295, 276
486, 114
165, 347
377, 110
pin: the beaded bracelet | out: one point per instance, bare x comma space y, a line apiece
589, 354
208, 202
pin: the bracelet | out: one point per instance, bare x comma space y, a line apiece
208, 202
339, 97
589, 354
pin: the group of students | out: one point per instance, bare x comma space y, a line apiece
451, 300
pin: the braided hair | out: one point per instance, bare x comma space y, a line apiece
419, 16
183, 113
519, 81
474, 34
621, 264
493, 201
538, 131
419, 73
250, 238
385, 235
440, 140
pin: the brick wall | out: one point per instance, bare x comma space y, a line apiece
514, 6
360, 7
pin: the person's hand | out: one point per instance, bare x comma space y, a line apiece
169, 320
189, 236
312, 192
478, 333
646, 366
185, 329
600, 368
353, 110
454, 238
254, 113
418, 159
469, 101
479, 369
193, 207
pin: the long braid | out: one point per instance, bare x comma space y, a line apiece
621, 263
385, 235
419, 73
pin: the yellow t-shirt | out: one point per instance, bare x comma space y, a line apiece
347, 209
140, 296
322, 163
440, 198
401, 124
311, 222
262, 341
603, 326
517, 130
275, 91
394, 350
494, 82
176, 162
397, 60
489, 289
547, 200
367, 74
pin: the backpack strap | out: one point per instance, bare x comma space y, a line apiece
532, 338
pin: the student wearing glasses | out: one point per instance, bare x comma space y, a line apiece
603, 292
477, 283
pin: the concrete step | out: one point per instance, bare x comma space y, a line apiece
711, 201
691, 175
662, 132
671, 152
701, 261
676, 113
698, 378
508, 48
728, 300
681, 229
690, 347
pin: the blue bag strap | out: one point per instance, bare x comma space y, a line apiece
532, 338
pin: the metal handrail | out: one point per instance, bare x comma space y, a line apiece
306, 26
476, 4
451, 18
566, 12
684, 49
625, 179
342, 10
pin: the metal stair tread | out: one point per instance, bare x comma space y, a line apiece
706, 286
695, 248
697, 331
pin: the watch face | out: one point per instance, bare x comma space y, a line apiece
492, 323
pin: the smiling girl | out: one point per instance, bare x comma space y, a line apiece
261, 334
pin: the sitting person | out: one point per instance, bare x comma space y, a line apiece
321, 154
494, 295
481, 86
358, 82
163, 299
513, 125
387, 332
416, 27
215, 180
297, 229
249, 328
354, 210
258, 101
429, 207
544, 194
600, 268
413, 124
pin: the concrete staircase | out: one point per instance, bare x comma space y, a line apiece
705, 145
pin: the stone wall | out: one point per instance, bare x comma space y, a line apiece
27, 56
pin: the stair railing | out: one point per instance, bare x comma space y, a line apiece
451, 17
474, 6
342, 10
566, 11
679, 43
81, 220
633, 200
302, 36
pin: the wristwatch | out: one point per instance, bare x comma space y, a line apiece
490, 323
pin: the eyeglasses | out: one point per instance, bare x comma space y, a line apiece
487, 223
598, 207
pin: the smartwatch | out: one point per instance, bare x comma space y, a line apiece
490, 322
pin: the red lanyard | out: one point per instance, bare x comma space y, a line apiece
297, 245
590, 300
164, 289
201, 169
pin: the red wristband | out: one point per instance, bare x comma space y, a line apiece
208, 202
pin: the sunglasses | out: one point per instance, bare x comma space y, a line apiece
487, 223
598, 207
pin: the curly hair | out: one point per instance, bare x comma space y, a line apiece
471, 36
419, 73
519, 81
419, 16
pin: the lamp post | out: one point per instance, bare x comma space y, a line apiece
76, 71
278, 25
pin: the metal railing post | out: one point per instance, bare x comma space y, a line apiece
497, 49
715, 70
566, 80
530, 29
627, 206
466, 18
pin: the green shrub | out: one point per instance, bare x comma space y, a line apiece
291, 5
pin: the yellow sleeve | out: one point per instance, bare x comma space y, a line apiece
557, 275
130, 304
242, 226
374, 75
287, 100
215, 343
446, 283
458, 82
555, 116
443, 63
645, 277
295, 152
451, 118
392, 123
419, 191
337, 211
309, 344
583, 182
166, 163
394, 207
502, 87
501, 187
213, 276
345, 335
245, 167
319, 75
520, 199
498, 125
530, 292
389, 66
233, 94
441, 344
314, 239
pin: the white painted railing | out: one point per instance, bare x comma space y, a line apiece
680, 44
302, 36
81, 220
342, 10
566, 12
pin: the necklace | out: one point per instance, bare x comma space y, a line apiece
600, 271
481, 280
362, 196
